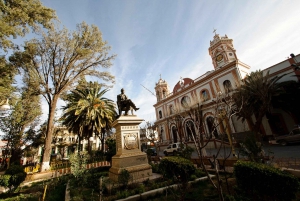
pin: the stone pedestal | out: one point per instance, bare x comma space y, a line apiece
129, 155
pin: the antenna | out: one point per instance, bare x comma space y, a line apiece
149, 90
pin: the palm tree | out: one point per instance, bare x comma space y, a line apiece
88, 111
255, 97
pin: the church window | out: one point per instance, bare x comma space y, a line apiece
185, 102
227, 86
174, 134
160, 114
204, 95
171, 109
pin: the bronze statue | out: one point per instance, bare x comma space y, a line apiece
125, 104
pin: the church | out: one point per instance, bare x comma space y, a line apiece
174, 122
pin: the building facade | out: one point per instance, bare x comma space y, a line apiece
65, 143
206, 91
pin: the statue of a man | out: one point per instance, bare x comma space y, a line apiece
125, 104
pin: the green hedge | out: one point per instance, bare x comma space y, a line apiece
264, 182
177, 166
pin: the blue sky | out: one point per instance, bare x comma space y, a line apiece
171, 37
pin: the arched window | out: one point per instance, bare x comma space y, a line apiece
190, 130
160, 114
174, 134
227, 86
210, 121
171, 109
185, 102
204, 95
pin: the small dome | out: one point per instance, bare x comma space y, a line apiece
181, 83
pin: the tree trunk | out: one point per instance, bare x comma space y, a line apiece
15, 156
48, 141
257, 125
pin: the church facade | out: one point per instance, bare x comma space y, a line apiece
206, 91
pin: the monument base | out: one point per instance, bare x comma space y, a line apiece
135, 163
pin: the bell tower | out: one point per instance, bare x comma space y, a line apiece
221, 50
161, 89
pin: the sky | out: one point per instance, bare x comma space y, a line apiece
170, 38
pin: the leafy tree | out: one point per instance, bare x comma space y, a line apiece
20, 124
255, 96
78, 163
7, 74
58, 60
17, 16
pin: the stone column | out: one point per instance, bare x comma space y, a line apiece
129, 155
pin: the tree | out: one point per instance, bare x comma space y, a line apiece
7, 74
17, 16
20, 123
254, 97
88, 108
58, 60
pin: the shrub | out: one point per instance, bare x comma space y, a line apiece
13, 177
78, 164
92, 178
252, 149
124, 177
265, 182
199, 173
186, 152
155, 168
111, 144
176, 166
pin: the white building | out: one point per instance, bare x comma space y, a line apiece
227, 73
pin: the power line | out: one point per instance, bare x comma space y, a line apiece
149, 90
